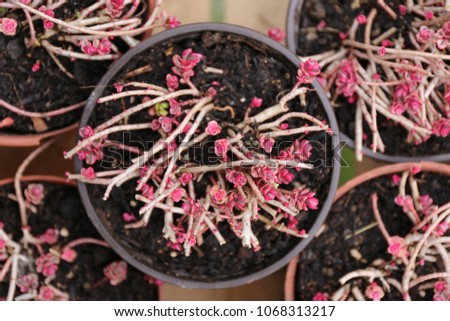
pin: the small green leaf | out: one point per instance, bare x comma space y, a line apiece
161, 108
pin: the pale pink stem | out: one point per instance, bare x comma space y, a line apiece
377, 215
18, 176
86, 240
428, 277
49, 114
85, 30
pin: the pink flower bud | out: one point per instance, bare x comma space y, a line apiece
221, 147
256, 102
361, 19
172, 82
428, 14
267, 143
424, 35
47, 264
178, 194
104, 47
8, 26
69, 255
171, 22
302, 149
88, 48
213, 128
45, 294
415, 170
402, 9
116, 272
128, 217
185, 178
28, 282
218, 195
166, 123
321, 296
284, 176
34, 193
86, 131
236, 177
50, 236
374, 292
88, 173
36, 66
396, 179
308, 71
382, 51
397, 247
276, 34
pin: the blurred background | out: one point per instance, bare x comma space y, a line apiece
259, 15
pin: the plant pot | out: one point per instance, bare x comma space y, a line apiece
28, 131
124, 242
72, 278
436, 181
416, 153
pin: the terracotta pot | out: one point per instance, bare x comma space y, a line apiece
293, 16
49, 179
289, 284
108, 235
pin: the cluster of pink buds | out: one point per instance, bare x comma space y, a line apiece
276, 34
8, 26
115, 7
267, 143
424, 35
34, 193
45, 294
172, 82
221, 148
304, 199
93, 152
398, 247
50, 236
406, 98
374, 292
171, 22
347, 80
321, 296
47, 23
88, 173
441, 127
443, 36
116, 272
96, 47
68, 254
301, 150
308, 71
47, 264
441, 292
213, 128
184, 65
28, 283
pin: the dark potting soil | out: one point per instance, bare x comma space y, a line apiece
49, 88
62, 208
339, 15
328, 257
249, 69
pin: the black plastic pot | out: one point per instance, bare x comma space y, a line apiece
293, 16
181, 33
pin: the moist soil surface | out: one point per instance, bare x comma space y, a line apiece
328, 256
49, 88
339, 16
83, 279
249, 69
